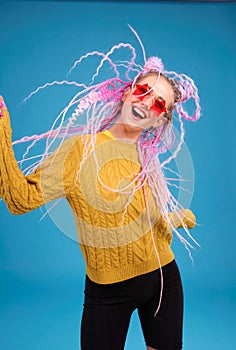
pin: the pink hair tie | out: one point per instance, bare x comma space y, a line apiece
186, 91
153, 64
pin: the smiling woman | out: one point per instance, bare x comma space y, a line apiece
144, 107
111, 175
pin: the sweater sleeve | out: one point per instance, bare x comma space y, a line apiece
52, 180
184, 217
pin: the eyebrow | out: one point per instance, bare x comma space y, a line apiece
159, 97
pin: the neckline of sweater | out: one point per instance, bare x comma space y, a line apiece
120, 141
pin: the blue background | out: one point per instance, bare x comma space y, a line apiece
42, 270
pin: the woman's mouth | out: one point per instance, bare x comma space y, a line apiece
138, 113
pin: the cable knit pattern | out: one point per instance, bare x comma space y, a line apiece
113, 228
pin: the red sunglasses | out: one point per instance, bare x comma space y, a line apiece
144, 90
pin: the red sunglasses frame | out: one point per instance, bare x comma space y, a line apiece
143, 90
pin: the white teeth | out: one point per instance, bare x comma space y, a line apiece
139, 112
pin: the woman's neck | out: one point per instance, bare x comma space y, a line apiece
122, 133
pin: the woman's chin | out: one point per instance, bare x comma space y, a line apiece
133, 127
134, 122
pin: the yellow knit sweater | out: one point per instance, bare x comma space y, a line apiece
112, 221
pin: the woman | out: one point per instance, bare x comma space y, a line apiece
114, 182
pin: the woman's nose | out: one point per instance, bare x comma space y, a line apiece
148, 101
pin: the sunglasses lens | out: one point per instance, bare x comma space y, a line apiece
161, 105
141, 90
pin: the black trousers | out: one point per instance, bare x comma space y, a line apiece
108, 308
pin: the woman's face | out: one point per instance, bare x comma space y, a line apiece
142, 112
